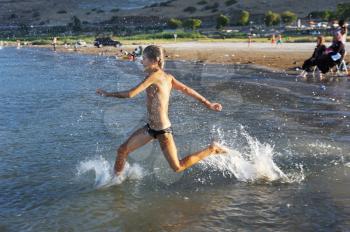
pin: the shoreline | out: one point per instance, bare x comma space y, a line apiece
285, 58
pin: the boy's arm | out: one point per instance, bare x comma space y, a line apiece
130, 93
190, 92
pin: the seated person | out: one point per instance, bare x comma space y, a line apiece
333, 55
138, 51
318, 52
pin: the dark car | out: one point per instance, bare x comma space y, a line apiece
100, 42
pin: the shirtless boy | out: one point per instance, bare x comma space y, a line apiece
158, 86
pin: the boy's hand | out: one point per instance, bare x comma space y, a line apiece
101, 92
215, 106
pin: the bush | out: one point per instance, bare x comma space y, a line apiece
203, 2
192, 24
288, 17
244, 18
75, 25
115, 10
154, 5
13, 16
190, 9
211, 7
222, 21
61, 12
230, 2
324, 15
41, 42
167, 3
174, 23
272, 18
36, 14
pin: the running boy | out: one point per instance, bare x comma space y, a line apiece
158, 86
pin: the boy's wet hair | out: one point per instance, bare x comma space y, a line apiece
155, 53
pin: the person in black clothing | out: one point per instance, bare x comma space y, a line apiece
343, 29
318, 52
333, 55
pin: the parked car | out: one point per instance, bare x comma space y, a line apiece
100, 42
81, 43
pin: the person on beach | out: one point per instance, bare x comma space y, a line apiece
333, 56
312, 61
342, 29
158, 85
249, 40
273, 39
279, 40
54, 43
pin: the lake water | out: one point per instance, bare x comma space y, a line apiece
288, 168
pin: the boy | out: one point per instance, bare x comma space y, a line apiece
158, 86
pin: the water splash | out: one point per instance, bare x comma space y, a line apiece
104, 174
255, 164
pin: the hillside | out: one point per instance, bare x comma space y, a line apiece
54, 12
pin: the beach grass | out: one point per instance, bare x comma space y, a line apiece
154, 38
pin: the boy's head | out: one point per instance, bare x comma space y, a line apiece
320, 39
154, 54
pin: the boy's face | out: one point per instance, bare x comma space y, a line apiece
147, 63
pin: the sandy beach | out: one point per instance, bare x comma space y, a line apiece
286, 57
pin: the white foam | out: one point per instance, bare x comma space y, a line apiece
104, 173
256, 164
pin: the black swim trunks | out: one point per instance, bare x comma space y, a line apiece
155, 133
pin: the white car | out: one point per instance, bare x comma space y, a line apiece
81, 43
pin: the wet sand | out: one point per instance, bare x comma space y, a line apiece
285, 57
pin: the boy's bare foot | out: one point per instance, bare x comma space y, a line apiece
218, 148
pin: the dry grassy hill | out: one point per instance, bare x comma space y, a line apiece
54, 12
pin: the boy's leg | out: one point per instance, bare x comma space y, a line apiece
168, 147
139, 138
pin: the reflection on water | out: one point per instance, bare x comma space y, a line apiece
288, 168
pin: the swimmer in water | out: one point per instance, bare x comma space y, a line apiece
158, 85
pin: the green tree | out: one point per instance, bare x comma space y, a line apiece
222, 21
75, 24
324, 15
24, 29
190, 9
288, 17
272, 18
343, 11
244, 18
192, 24
174, 23
230, 2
